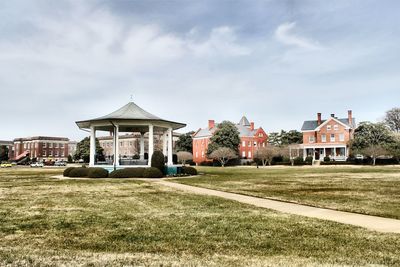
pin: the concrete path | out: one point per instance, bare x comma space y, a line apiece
374, 223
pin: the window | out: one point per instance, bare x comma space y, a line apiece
62, 154
332, 137
341, 137
55, 145
249, 154
44, 145
328, 128
255, 143
249, 144
56, 154
311, 139
197, 154
336, 127
243, 143
323, 138
260, 135
243, 154
44, 153
50, 153
50, 145
61, 145
202, 154
263, 144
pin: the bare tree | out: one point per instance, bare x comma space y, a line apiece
291, 152
266, 154
223, 155
184, 156
392, 119
374, 151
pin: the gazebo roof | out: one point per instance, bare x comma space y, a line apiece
128, 115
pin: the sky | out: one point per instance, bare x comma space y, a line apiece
277, 62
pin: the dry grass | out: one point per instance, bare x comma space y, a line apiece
366, 190
50, 222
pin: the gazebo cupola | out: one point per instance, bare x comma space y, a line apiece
131, 119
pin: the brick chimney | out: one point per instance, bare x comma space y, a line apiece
319, 119
211, 124
350, 116
333, 115
252, 126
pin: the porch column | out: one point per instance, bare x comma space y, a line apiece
141, 146
170, 162
334, 153
151, 143
305, 154
92, 146
324, 152
116, 148
165, 143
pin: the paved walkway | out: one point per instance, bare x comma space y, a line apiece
374, 223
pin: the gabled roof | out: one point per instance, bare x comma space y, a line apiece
244, 121
313, 125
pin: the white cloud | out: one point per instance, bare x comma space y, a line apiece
284, 34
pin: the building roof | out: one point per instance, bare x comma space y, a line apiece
243, 127
35, 138
129, 112
244, 121
6, 143
312, 125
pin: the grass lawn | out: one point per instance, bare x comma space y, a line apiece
367, 190
99, 222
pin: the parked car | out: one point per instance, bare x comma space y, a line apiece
60, 163
37, 165
49, 163
5, 165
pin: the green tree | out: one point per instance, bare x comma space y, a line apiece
185, 142
227, 135
285, 138
83, 150
3, 153
372, 139
274, 139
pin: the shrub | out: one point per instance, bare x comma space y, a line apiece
298, 161
327, 159
157, 161
309, 160
97, 173
67, 171
189, 170
152, 172
79, 172
128, 173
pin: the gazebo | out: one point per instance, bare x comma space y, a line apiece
131, 119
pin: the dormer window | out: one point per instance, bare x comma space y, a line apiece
336, 127
328, 128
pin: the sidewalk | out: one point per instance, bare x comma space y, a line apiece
375, 223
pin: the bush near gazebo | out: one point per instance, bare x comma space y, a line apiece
128, 173
158, 161
152, 172
97, 173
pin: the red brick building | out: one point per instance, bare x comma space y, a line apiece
250, 140
43, 148
328, 138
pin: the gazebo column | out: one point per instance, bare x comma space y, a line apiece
165, 143
170, 162
151, 143
92, 146
116, 145
141, 146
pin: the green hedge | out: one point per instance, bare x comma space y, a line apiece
158, 160
79, 172
152, 173
189, 170
67, 171
97, 173
128, 173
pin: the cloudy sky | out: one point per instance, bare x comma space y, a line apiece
277, 62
